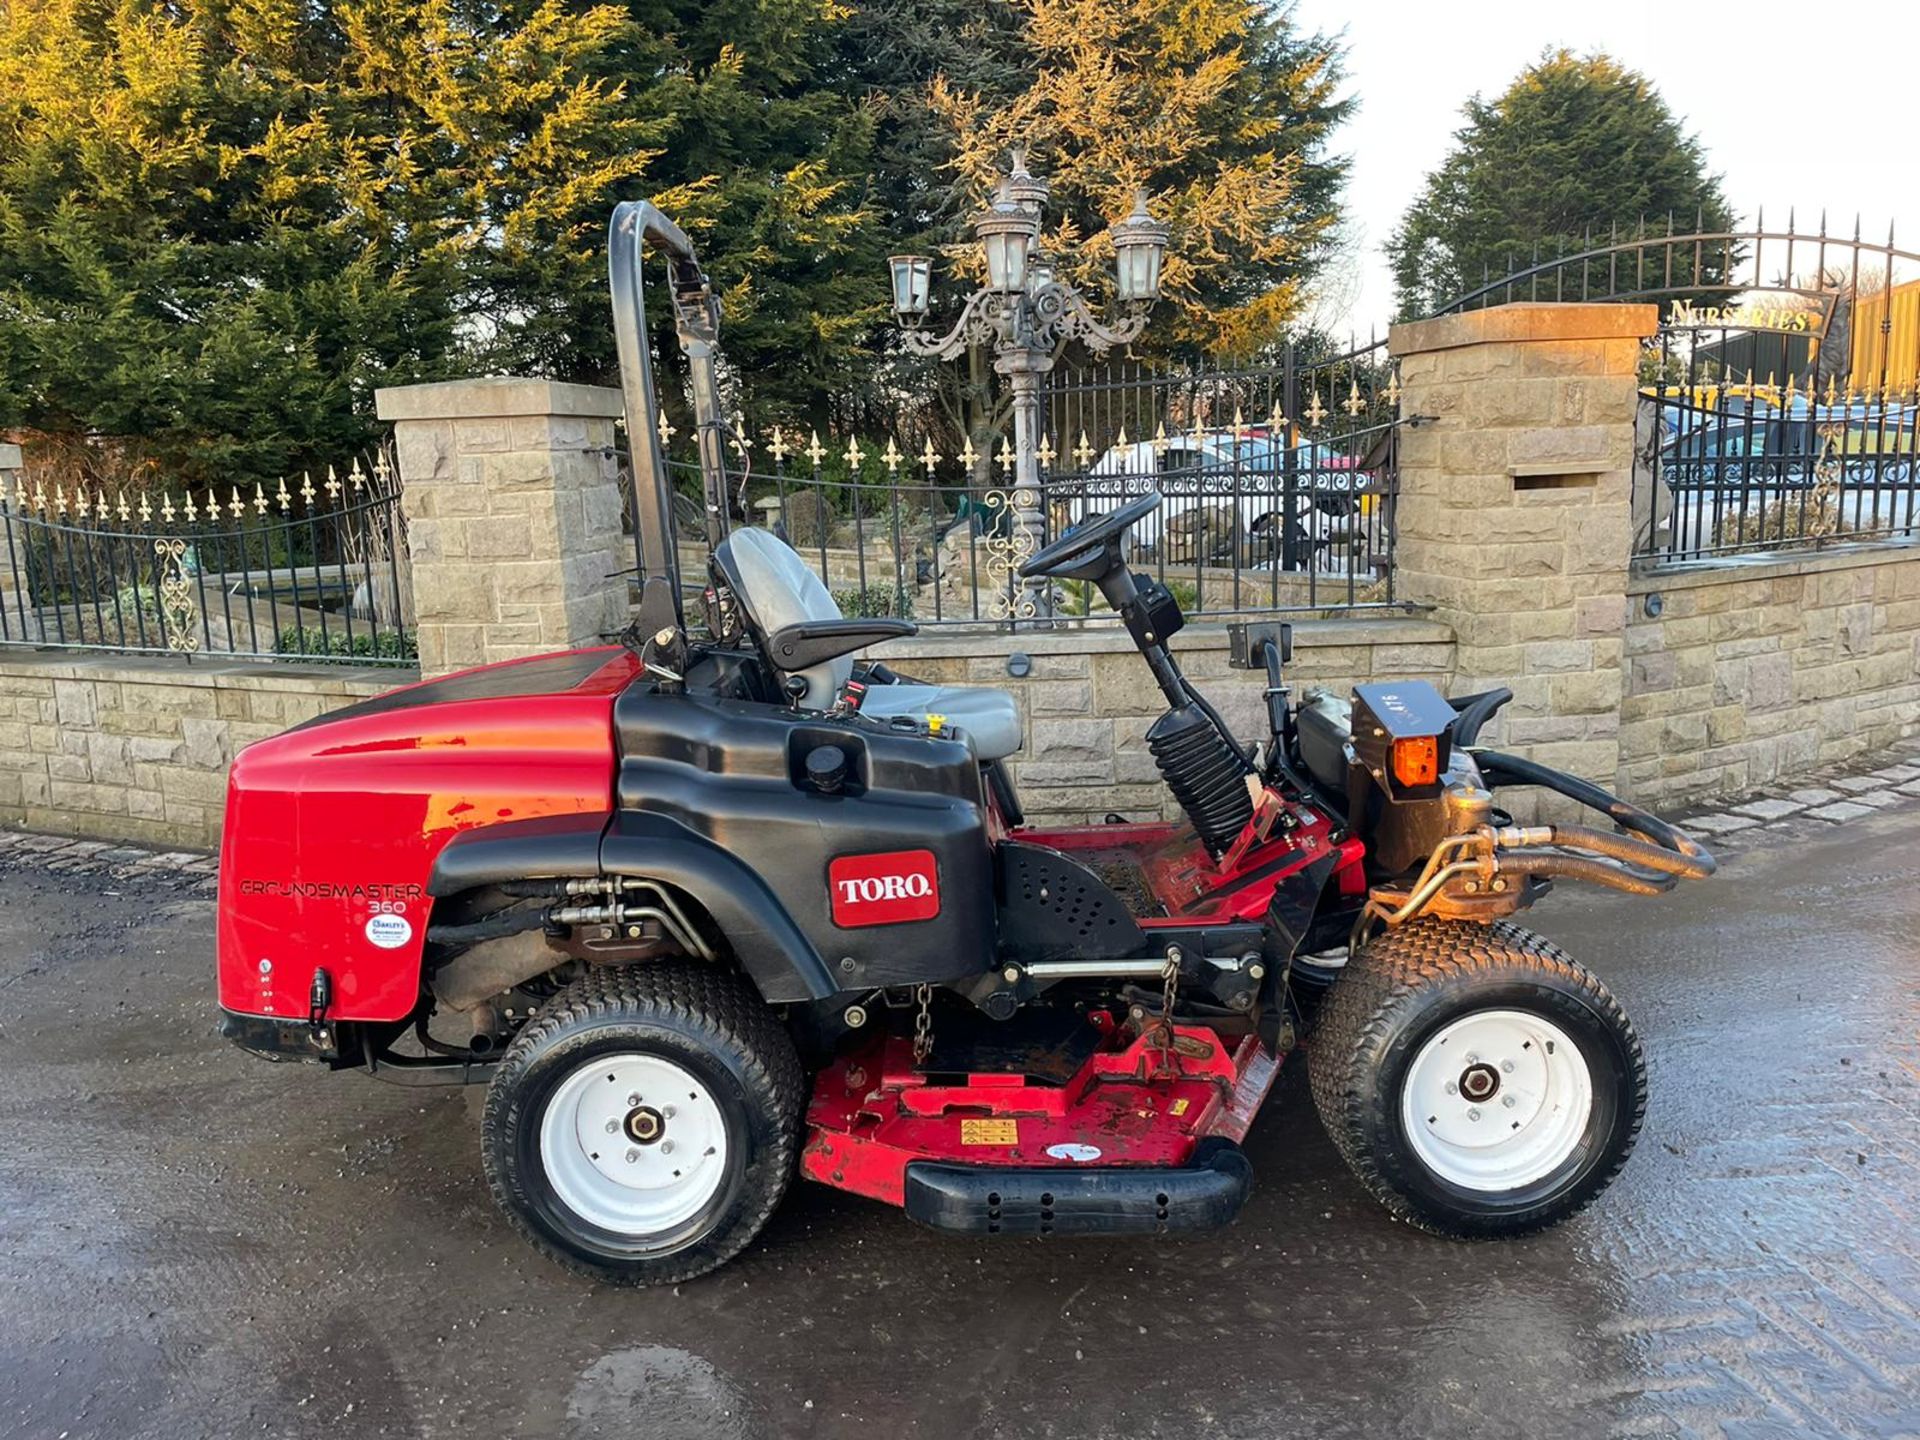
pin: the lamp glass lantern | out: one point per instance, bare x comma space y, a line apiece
1139, 245
1006, 234
912, 284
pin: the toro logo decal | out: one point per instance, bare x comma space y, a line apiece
888, 889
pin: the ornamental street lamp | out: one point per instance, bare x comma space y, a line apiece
1028, 314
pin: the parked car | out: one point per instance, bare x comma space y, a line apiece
1249, 499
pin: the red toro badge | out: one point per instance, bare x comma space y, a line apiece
889, 889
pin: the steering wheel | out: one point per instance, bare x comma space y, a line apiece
1083, 552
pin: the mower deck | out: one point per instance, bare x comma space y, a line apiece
1140, 1137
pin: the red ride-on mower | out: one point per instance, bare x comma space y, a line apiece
721, 903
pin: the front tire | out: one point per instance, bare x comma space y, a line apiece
643, 1127
1475, 1079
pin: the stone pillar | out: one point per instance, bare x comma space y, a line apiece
1515, 513
511, 495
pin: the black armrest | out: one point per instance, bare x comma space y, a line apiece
798, 647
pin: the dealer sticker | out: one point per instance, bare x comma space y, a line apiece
389, 932
1079, 1154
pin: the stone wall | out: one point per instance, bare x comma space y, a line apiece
1089, 698
126, 749
1753, 671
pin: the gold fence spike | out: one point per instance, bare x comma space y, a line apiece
777, 447
355, 477
333, 485
1160, 441
146, 508
306, 487
929, 457
1005, 454
1083, 452
284, 499
60, 501
892, 456
80, 507
1392, 393
121, 509
193, 513
1316, 412
382, 471
815, 451
213, 504
737, 435
239, 506
1045, 453
1121, 438
969, 457
854, 453
1833, 389
1354, 404
1239, 426
667, 432
260, 499
166, 507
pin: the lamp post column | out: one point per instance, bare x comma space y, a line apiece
1025, 365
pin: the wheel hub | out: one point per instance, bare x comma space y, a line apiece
1479, 1082
645, 1125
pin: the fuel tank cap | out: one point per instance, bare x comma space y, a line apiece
827, 768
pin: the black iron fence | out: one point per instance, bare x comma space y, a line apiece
315, 571
1278, 485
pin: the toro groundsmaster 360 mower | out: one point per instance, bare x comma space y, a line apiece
721, 903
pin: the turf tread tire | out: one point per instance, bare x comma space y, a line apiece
718, 1006
1369, 1003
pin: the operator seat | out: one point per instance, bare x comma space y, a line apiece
777, 588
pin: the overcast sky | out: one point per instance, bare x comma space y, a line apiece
1796, 105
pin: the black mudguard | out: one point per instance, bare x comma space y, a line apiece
552, 847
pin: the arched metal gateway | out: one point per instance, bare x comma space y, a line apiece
1778, 398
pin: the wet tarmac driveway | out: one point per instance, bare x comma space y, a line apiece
193, 1243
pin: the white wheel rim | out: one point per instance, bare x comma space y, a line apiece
1497, 1100
634, 1144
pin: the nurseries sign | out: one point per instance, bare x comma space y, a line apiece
1787, 312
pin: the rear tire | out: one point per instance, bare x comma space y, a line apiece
1475, 1079
643, 1127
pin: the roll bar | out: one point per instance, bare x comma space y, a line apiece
636, 227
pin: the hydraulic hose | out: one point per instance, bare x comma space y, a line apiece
1499, 768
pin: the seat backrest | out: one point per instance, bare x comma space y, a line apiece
778, 589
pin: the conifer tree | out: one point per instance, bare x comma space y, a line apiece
1578, 148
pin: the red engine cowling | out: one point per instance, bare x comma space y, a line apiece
333, 827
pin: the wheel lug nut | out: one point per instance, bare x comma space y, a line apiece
1508, 1102
1472, 1059
667, 1112
1507, 1065
633, 1155
1452, 1089
1473, 1114
613, 1127
666, 1147
633, 1099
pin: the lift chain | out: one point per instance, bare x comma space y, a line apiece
923, 1024
1169, 989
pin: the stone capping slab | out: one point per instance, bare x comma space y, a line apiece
1525, 320
1112, 639
10, 457
1688, 574
496, 398
242, 675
